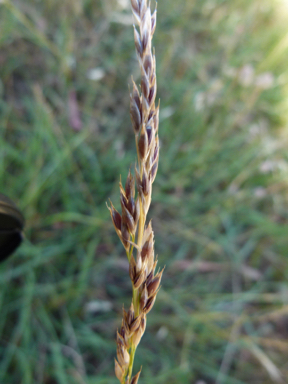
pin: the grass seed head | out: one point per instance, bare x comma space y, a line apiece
130, 314
135, 323
123, 356
135, 115
145, 183
125, 236
154, 284
128, 219
153, 21
137, 335
143, 298
145, 119
143, 144
147, 247
132, 268
153, 171
149, 304
137, 211
131, 207
145, 86
119, 371
130, 186
122, 340
135, 378
116, 217
139, 279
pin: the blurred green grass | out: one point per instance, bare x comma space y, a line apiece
219, 204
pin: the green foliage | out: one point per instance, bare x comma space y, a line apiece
219, 203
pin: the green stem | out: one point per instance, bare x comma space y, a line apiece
129, 253
132, 355
136, 302
133, 347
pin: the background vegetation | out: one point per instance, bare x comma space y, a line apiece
220, 197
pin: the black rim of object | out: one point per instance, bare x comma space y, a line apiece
11, 226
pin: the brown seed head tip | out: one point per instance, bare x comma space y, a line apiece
125, 314
143, 298
127, 329
150, 134
135, 323
130, 186
131, 206
152, 95
127, 219
145, 40
136, 378
115, 216
154, 284
130, 314
139, 188
143, 144
148, 64
145, 86
147, 249
125, 236
149, 277
123, 200
139, 279
145, 183
135, 116
149, 304
132, 268
146, 108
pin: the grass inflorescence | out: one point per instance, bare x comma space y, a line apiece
145, 120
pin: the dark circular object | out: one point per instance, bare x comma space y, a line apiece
11, 226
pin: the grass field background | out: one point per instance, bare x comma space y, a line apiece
219, 204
